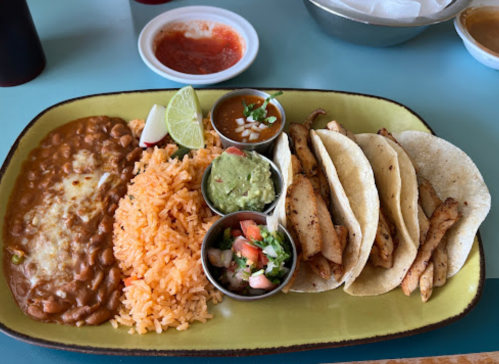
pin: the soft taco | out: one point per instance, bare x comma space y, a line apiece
399, 229
410, 204
446, 171
448, 219
435, 196
351, 177
397, 187
319, 212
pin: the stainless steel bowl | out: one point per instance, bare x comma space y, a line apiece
276, 177
232, 220
373, 31
261, 147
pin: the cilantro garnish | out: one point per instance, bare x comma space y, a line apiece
247, 108
260, 114
258, 244
282, 249
241, 262
227, 240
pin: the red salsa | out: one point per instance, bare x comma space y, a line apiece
208, 51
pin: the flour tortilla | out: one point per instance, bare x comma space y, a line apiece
453, 174
393, 175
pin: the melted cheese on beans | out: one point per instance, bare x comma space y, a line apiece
75, 197
58, 248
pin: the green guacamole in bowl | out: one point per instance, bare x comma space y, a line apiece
240, 181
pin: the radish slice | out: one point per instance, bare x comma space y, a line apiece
261, 282
240, 129
253, 136
250, 119
255, 128
246, 133
262, 126
240, 121
247, 126
155, 129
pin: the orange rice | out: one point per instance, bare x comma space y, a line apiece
159, 228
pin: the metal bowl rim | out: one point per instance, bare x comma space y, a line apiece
255, 92
358, 17
274, 170
233, 295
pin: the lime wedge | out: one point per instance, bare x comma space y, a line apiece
184, 119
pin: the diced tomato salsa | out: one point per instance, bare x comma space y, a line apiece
253, 260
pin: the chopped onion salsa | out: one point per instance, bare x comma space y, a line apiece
250, 261
248, 118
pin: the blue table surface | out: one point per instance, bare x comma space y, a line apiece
91, 47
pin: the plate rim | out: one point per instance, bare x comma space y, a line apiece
234, 352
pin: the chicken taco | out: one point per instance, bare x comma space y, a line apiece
455, 201
397, 238
319, 212
435, 199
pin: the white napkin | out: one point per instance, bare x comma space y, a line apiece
394, 9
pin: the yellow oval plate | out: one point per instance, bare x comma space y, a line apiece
281, 323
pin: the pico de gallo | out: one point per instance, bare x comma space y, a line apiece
251, 260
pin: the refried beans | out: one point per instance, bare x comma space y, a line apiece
58, 253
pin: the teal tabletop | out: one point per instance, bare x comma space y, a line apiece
91, 47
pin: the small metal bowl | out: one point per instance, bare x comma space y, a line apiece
276, 177
232, 220
374, 31
261, 147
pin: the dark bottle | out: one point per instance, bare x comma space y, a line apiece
21, 53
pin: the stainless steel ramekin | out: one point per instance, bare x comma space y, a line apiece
276, 177
232, 220
261, 147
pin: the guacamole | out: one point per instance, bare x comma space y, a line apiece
240, 180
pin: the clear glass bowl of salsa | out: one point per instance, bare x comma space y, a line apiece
238, 130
